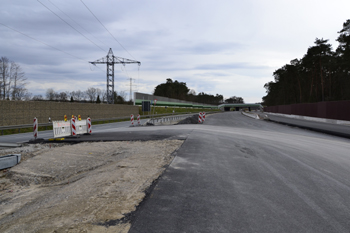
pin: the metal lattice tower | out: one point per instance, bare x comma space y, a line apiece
110, 60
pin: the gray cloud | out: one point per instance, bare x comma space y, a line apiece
231, 66
180, 39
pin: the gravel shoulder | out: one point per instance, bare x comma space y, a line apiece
86, 187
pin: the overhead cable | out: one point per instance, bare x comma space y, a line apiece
106, 28
46, 44
77, 23
71, 25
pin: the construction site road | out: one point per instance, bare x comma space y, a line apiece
238, 174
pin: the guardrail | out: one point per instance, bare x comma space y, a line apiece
19, 127
161, 120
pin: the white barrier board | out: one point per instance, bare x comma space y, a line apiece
61, 129
81, 127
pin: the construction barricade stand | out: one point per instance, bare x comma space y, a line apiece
81, 126
89, 125
61, 129
138, 119
200, 118
35, 128
73, 126
132, 119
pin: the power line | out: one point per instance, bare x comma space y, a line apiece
77, 23
46, 44
41, 42
106, 28
70, 25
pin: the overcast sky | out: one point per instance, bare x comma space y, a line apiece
215, 46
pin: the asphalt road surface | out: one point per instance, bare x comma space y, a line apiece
333, 129
237, 174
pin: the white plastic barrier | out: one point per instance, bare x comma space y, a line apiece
64, 128
81, 127
61, 129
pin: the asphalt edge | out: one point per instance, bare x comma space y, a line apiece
343, 135
131, 217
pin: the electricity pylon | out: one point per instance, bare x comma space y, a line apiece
130, 96
110, 60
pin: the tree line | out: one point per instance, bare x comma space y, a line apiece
179, 90
12, 81
91, 95
321, 75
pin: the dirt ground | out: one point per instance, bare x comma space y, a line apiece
86, 187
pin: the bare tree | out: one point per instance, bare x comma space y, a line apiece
91, 94
18, 82
98, 91
4, 75
50, 94
26, 96
77, 95
37, 98
62, 96
12, 80
104, 96
122, 94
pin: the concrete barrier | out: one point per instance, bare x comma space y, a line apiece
251, 115
316, 119
8, 161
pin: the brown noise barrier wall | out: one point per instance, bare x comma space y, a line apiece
336, 110
23, 112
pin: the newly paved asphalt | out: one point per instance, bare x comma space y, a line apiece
237, 174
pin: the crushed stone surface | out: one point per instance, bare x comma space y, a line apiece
86, 187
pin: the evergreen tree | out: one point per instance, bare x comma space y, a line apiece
98, 101
321, 75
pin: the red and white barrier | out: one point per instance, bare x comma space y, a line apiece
74, 130
203, 116
138, 119
132, 119
89, 125
35, 128
200, 119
